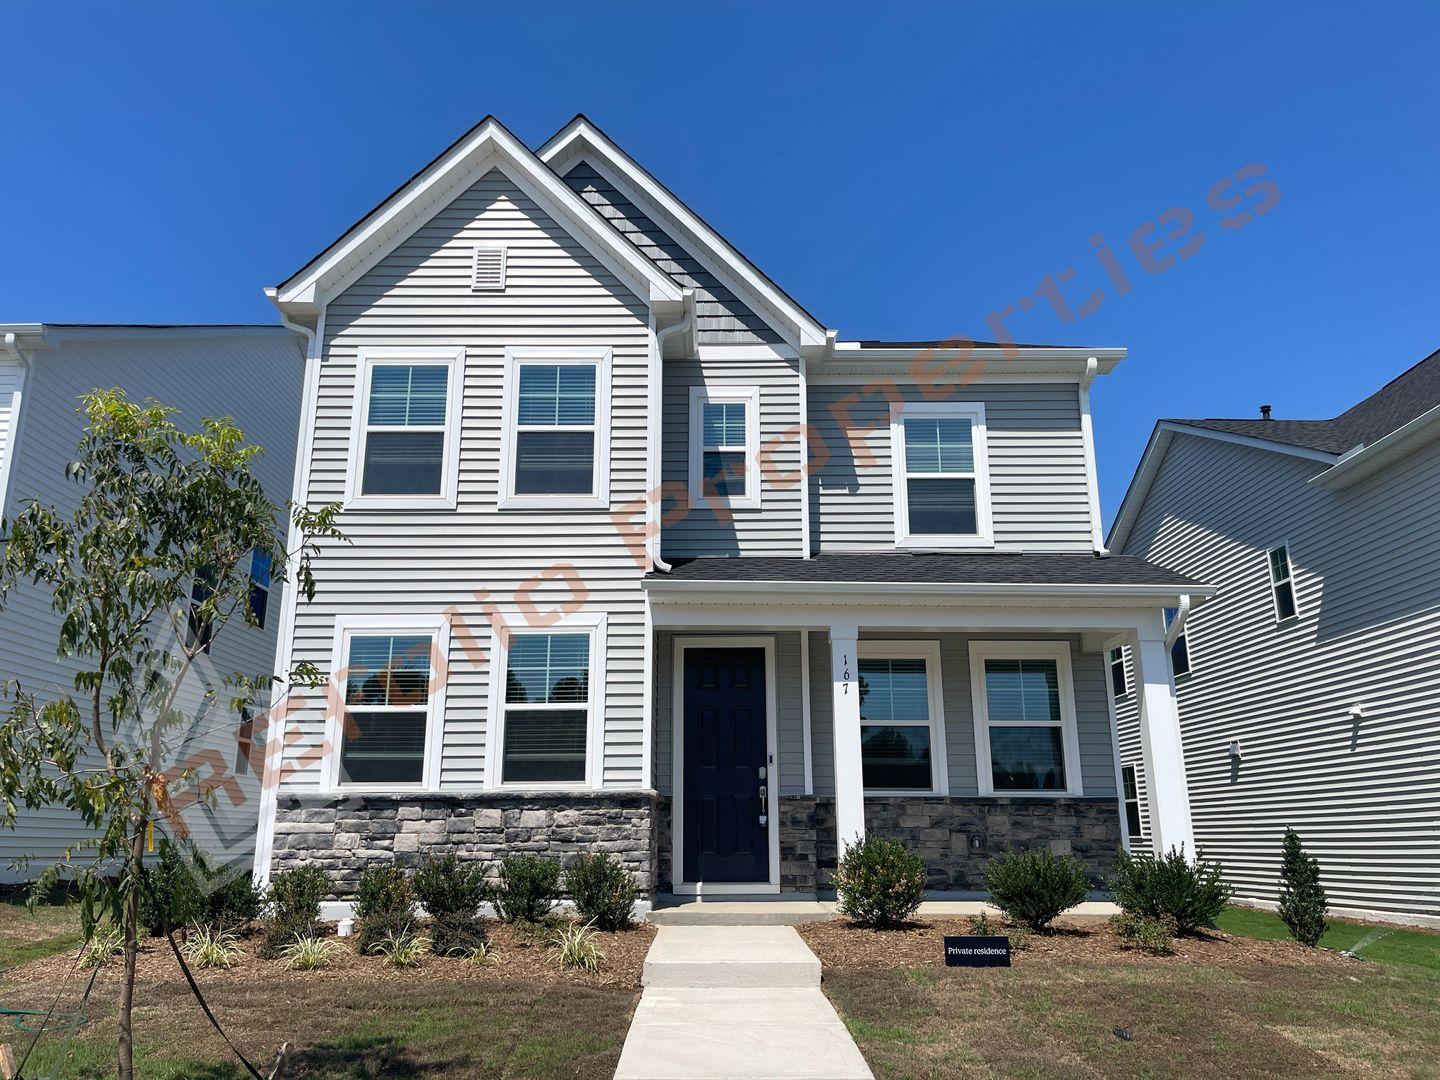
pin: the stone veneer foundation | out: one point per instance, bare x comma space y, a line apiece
343, 834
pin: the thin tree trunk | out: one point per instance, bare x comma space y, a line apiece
132, 946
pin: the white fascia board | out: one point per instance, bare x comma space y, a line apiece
575, 138
1154, 455
662, 591
976, 365
1368, 460
488, 146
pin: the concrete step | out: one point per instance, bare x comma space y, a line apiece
758, 912
739, 957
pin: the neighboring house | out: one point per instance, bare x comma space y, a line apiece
1309, 688
644, 560
251, 373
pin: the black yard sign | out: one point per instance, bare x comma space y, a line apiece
977, 952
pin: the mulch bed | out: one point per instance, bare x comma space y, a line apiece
841, 945
513, 955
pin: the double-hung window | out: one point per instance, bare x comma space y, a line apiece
724, 445
902, 724
1116, 662
1132, 800
259, 599
1180, 650
1282, 583
1024, 704
406, 436
940, 466
392, 679
556, 445
548, 687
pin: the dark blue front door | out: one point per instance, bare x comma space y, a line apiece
725, 832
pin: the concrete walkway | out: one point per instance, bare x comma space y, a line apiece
736, 1002
775, 911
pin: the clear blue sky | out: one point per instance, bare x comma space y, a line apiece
902, 171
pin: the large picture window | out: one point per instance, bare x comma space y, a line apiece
556, 450
941, 475
1025, 718
902, 745
406, 432
546, 702
724, 445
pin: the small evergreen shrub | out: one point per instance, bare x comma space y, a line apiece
232, 898
171, 897
603, 891
293, 908
384, 906
529, 886
452, 893
880, 882
1152, 935
1193, 895
1303, 904
1033, 887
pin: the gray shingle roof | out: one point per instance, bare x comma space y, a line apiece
1395, 404
938, 569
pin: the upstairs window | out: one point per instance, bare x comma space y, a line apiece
941, 475
1118, 682
259, 586
557, 449
199, 630
1180, 651
724, 441
1282, 585
1132, 800
407, 429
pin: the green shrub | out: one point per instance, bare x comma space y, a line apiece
293, 908
1152, 935
171, 897
529, 886
603, 891
880, 882
232, 898
1033, 887
1193, 895
452, 893
384, 906
1303, 904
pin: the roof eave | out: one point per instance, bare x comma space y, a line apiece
1368, 460
662, 590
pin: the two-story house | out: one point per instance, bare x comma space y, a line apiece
1309, 688
250, 373
644, 559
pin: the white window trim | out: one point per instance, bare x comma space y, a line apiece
1059, 651
1124, 692
974, 411
929, 651
1271, 583
749, 396
511, 624
348, 626
599, 497
369, 358
1126, 801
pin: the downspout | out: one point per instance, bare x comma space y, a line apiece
653, 498
1087, 437
1177, 624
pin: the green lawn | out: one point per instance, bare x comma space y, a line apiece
29, 933
1386, 945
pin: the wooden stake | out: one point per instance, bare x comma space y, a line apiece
7, 1062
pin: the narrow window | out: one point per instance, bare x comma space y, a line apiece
1282, 586
259, 586
1026, 727
555, 430
722, 448
244, 740
405, 423
895, 724
1117, 673
387, 710
199, 630
1180, 651
941, 487
546, 708
1132, 800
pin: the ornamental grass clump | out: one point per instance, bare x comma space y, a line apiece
577, 947
1190, 894
308, 953
105, 942
1033, 887
1303, 905
211, 947
880, 882
452, 893
603, 891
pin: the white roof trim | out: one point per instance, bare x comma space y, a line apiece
1149, 467
760, 592
488, 145
1365, 461
571, 142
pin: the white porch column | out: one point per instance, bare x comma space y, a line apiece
849, 779
1166, 791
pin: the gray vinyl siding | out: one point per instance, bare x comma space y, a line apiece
464, 560
774, 528
1364, 796
1092, 714
254, 377
789, 715
1039, 494
721, 316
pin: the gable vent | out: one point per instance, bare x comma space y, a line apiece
489, 270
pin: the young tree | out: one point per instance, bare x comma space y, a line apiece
145, 575
1302, 898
